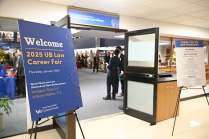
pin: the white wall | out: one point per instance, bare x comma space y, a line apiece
32, 10
166, 29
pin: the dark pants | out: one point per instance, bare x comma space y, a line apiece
95, 66
122, 86
20, 81
112, 81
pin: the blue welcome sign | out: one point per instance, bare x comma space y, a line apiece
89, 18
50, 69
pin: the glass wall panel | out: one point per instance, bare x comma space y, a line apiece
140, 96
141, 51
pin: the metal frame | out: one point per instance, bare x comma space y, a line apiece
62, 22
132, 69
142, 74
138, 114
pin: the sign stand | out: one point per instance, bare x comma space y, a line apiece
178, 100
37, 124
79, 124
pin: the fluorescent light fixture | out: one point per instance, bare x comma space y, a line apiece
73, 30
120, 36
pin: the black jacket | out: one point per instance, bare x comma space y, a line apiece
19, 69
121, 66
113, 66
96, 60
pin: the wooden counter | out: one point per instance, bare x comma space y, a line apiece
167, 94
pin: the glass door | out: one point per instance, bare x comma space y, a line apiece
141, 70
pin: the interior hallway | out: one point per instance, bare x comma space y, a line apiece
193, 123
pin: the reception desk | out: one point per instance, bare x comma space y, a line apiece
7, 87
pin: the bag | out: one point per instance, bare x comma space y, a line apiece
121, 77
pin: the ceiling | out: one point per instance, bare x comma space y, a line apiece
186, 12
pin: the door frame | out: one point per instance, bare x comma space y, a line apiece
141, 74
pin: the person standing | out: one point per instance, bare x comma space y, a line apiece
90, 59
20, 74
121, 70
112, 76
106, 61
82, 60
96, 62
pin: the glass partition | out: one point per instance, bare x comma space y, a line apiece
140, 96
141, 50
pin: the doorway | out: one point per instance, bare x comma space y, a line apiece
93, 85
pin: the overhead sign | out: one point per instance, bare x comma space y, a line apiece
95, 19
190, 63
50, 69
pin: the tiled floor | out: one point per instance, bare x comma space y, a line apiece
193, 123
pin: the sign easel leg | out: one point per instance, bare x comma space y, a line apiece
176, 109
205, 94
79, 125
36, 129
31, 132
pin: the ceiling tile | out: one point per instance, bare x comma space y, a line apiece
206, 17
204, 3
144, 12
121, 7
140, 2
201, 13
168, 4
64, 2
193, 1
179, 18
90, 4
162, 15
203, 24
194, 21
188, 8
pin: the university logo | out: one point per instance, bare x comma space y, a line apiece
38, 111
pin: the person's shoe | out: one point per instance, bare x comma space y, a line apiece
113, 98
107, 98
120, 95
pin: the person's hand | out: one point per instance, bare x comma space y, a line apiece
121, 73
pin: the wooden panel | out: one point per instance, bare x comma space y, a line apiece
167, 94
161, 105
70, 126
